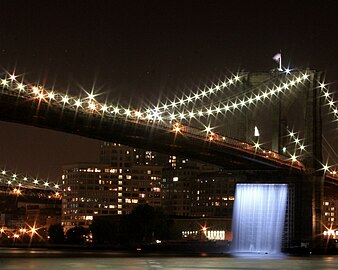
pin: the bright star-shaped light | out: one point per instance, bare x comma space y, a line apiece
20, 87
91, 106
326, 167
65, 99
78, 103
293, 158
322, 85
91, 96
4, 82
208, 129
104, 108
257, 145
51, 95
35, 90
138, 114
12, 77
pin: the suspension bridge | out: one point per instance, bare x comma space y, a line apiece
214, 123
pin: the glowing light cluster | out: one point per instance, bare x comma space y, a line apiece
329, 101
298, 143
172, 111
212, 137
232, 104
90, 105
18, 180
200, 94
34, 92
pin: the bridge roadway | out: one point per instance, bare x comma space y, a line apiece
188, 142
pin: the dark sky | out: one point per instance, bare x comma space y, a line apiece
129, 49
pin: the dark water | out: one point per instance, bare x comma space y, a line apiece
55, 260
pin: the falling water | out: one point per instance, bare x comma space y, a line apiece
258, 219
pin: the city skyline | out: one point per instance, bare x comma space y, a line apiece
124, 49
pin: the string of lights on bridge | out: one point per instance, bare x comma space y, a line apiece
242, 100
162, 113
329, 100
18, 181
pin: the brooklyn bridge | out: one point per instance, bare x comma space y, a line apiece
268, 123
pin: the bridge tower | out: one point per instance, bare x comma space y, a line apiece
309, 187
313, 179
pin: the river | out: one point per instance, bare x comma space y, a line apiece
43, 259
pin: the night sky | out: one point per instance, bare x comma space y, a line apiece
134, 50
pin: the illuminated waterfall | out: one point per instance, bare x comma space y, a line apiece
258, 218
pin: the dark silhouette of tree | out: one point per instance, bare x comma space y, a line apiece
56, 234
76, 235
145, 224
105, 230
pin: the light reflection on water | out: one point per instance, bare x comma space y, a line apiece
58, 260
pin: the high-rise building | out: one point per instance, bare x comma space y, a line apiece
102, 189
122, 156
177, 188
213, 195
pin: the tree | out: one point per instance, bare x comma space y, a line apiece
56, 234
76, 235
145, 224
105, 230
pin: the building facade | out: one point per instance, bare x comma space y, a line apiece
100, 189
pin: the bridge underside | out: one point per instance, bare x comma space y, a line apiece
140, 135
